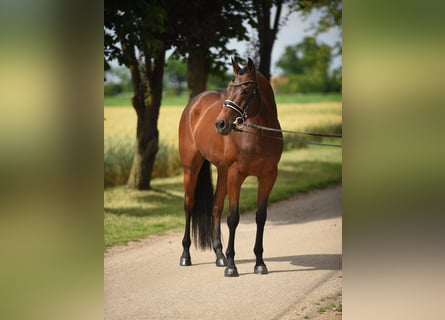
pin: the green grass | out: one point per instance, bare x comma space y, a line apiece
132, 215
308, 97
124, 99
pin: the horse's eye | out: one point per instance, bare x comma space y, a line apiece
245, 91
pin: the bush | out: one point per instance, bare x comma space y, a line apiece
308, 84
167, 163
112, 89
297, 141
118, 159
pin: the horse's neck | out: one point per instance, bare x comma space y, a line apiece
267, 110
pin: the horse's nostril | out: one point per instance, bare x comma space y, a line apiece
220, 124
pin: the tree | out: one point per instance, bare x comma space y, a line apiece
309, 61
176, 75
267, 33
268, 20
135, 34
117, 80
202, 29
331, 15
331, 12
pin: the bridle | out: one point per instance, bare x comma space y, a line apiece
242, 111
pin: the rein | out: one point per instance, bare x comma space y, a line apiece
240, 124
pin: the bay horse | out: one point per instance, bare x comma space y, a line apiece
213, 130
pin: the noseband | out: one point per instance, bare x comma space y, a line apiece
242, 111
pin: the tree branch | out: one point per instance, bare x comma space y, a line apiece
133, 64
276, 19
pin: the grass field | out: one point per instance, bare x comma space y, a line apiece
131, 215
119, 133
123, 99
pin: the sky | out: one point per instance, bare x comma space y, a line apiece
292, 33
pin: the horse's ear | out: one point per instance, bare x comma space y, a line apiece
251, 67
236, 67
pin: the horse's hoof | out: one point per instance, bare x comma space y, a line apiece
221, 262
261, 269
185, 261
231, 272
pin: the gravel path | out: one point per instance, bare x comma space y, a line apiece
302, 250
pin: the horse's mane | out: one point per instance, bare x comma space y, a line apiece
266, 93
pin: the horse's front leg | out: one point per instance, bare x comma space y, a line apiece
218, 206
265, 184
234, 182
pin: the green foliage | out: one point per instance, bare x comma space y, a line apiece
330, 12
218, 81
117, 81
113, 89
198, 27
305, 67
175, 76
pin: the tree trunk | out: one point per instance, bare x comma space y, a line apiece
198, 68
265, 57
266, 33
147, 143
147, 134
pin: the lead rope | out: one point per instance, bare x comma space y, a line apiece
239, 123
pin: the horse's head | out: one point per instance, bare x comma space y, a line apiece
241, 92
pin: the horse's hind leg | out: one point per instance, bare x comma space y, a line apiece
234, 181
265, 184
190, 179
220, 194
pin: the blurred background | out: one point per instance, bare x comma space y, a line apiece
52, 158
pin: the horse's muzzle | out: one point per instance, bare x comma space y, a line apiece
223, 127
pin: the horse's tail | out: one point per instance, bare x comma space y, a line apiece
202, 210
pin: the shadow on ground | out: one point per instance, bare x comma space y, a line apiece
298, 263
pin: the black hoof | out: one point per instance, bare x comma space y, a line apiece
231, 272
185, 261
221, 262
261, 269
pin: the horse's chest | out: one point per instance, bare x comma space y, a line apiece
251, 159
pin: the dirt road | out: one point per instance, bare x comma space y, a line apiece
302, 250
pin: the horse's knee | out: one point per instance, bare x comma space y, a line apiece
232, 219
261, 217
189, 202
261, 214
